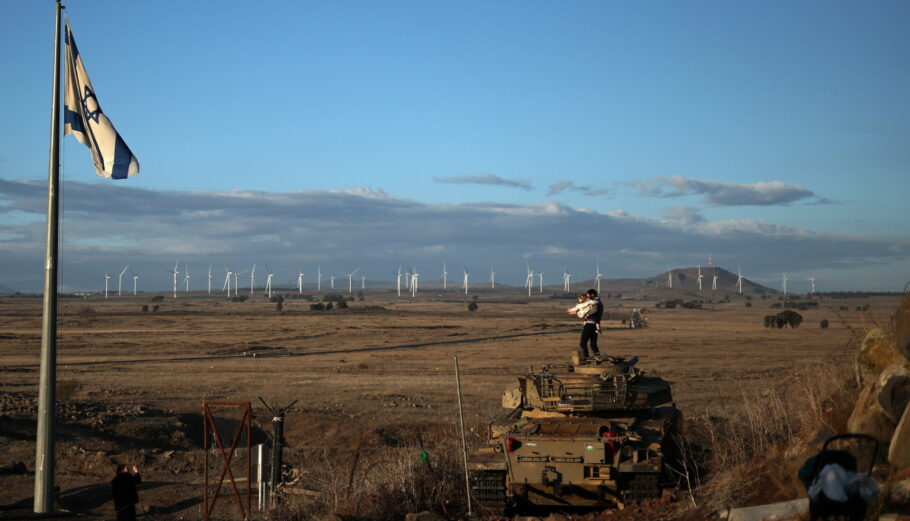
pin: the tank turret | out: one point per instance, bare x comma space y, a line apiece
600, 385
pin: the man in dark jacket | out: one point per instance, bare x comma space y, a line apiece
592, 324
123, 487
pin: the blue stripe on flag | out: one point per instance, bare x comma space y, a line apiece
74, 119
71, 42
122, 158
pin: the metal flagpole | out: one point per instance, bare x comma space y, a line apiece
464, 441
44, 445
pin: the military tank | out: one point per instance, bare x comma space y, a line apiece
590, 433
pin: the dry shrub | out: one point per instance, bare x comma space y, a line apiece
749, 449
385, 483
66, 389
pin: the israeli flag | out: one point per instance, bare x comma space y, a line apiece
84, 120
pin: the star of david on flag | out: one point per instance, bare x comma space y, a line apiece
83, 118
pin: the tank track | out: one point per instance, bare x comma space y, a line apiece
641, 487
488, 489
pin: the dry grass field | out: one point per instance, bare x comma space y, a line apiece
377, 374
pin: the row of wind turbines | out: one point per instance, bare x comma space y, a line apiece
739, 281
229, 276
411, 280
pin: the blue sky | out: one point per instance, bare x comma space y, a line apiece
678, 113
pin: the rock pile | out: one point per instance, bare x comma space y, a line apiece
883, 408
92, 413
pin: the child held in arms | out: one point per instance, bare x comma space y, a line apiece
584, 306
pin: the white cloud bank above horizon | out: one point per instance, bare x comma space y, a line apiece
106, 226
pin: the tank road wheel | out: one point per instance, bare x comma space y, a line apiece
640, 487
488, 489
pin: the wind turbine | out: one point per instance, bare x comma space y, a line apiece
414, 277
739, 279
670, 279
566, 281
699, 277
363, 281
252, 279
106, 278
350, 279
332, 281
120, 279
529, 280
784, 284
299, 282
492, 278
210, 279
227, 281
319, 278
812, 280
714, 279
466, 276
398, 279
175, 272
597, 278
186, 278
407, 279
540, 276
445, 277
237, 280
268, 282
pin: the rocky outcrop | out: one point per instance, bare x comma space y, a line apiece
877, 353
893, 390
883, 408
869, 418
899, 451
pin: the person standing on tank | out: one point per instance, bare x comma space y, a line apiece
592, 324
123, 487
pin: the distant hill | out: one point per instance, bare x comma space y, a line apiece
684, 280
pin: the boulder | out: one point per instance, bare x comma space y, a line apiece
893, 390
795, 509
869, 418
899, 451
877, 352
899, 495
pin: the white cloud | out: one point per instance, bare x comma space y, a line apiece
561, 186
686, 215
108, 226
486, 179
719, 193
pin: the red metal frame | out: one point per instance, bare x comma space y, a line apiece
245, 421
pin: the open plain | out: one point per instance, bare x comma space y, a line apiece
377, 374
